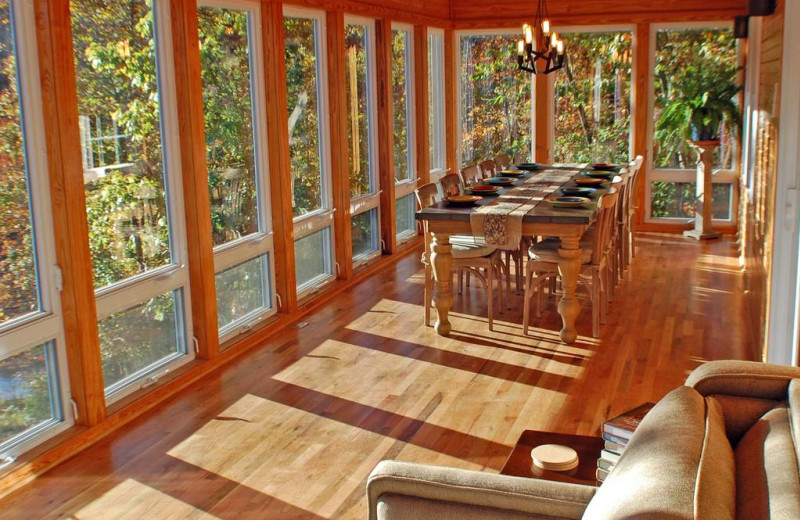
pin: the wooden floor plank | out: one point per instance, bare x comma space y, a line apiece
292, 429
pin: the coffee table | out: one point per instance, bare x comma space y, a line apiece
519, 463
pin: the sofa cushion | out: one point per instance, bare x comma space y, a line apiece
767, 477
678, 465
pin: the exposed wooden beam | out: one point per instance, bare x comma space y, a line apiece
68, 198
279, 158
421, 12
189, 87
340, 170
383, 62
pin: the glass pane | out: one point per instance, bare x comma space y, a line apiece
240, 290
676, 200
495, 100
358, 108
593, 99
118, 104
313, 258
304, 127
436, 101
19, 294
141, 337
401, 71
405, 209
690, 64
228, 113
25, 392
365, 233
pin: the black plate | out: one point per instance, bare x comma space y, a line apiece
529, 166
578, 192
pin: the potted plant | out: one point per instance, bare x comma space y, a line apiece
705, 100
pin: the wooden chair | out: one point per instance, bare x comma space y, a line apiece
469, 254
502, 161
471, 175
451, 184
543, 261
629, 212
488, 168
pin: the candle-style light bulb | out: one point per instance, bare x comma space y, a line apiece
520, 48
546, 27
528, 34
554, 39
560, 46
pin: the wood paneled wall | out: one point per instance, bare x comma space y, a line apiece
500, 13
758, 211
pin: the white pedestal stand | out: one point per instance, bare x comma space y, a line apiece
703, 190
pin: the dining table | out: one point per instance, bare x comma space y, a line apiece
541, 220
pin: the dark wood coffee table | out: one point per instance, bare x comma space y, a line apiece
519, 463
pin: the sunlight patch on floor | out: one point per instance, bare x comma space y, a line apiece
294, 455
132, 500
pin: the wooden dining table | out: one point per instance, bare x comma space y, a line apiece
568, 224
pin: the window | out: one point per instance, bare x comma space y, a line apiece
304, 35
592, 120
360, 89
495, 99
136, 231
405, 159
33, 377
436, 112
232, 73
681, 54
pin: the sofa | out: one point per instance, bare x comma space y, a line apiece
724, 446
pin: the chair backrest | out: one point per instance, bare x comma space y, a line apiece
471, 175
426, 195
503, 160
635, 168
604, 223
488, 168
451, 184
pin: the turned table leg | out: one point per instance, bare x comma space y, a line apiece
569, 266
442, 263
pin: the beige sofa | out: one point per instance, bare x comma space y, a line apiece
726, 445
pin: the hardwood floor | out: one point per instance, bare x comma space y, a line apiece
292, 429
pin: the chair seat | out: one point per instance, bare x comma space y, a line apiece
466, 246
547, 251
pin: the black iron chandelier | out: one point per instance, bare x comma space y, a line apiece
540, 51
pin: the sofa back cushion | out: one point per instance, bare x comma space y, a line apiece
678, 465
767, 477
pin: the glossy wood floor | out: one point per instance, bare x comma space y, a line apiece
292, 429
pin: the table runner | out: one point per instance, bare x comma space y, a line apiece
500, 222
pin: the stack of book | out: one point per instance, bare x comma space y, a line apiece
616, 434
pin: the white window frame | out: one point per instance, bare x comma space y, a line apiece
369, 201
723, 176
516, 33
45, 325
436, 98
407, 186
138, 289
582, 29
310, 223
261, 243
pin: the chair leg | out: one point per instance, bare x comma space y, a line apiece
540, 298
461, 281
605, 284
490, 295
595, 292
526, 308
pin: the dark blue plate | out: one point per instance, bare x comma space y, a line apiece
529, 166
579, 192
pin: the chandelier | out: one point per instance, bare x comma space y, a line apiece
540, 51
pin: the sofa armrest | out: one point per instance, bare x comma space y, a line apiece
749, 379
460, 487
